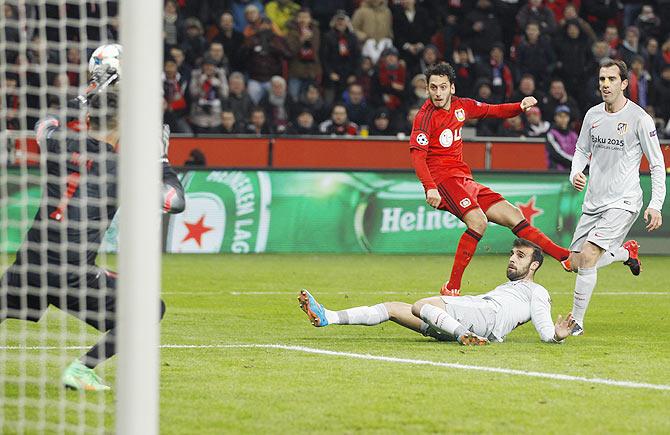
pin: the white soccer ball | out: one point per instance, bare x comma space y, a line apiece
108, 54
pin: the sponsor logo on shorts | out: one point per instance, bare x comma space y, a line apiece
622, 128
422, 139
465, 202
652, 133
460, 114
597, 234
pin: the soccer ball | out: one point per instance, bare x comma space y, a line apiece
108, 54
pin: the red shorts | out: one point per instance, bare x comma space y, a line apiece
460, 195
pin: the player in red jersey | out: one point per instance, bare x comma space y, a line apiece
436, 149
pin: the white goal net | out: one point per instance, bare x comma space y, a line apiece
59, 177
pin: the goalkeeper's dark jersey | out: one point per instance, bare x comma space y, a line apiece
78, 203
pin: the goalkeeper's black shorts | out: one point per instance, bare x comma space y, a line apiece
90, 296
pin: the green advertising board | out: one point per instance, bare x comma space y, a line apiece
290, 211
311, 211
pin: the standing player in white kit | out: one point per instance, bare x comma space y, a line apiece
614, 135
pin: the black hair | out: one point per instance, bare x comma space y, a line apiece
441, 69
537, 251
623, 69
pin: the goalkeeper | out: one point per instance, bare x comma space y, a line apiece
56, 263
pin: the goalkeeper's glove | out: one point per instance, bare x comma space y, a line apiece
102, 77
165, 145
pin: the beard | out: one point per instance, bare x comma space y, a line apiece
516, 274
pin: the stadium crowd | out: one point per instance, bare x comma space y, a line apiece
355, 67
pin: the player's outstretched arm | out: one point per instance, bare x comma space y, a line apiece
563, 327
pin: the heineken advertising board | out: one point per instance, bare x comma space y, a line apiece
290, 211
298, 211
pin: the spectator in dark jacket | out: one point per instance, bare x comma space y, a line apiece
231, 40
238, 99
265, 53
559, 96
412, 29
535, 55
381, 124
388, 84
312, 100
535, 11
481, 28
340, 56
356, 104
662, 94
175, 93
229, 124
498, 73
304, 42
429, 56
338, 124
527, 88
258, 124
194, 43
466, 71
484, 94
630, 47
573, 52
303, 124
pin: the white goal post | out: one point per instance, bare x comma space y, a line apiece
139, 261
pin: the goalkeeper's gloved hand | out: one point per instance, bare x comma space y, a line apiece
165, 145
102, 77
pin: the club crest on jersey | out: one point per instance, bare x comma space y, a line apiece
622, 128
465, 202
422, 139
446, 138
460, 114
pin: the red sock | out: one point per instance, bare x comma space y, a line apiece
526, 231
464, 252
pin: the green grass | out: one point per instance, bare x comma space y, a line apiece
261, 390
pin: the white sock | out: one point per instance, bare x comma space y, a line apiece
369, 316
440, 319
584, 285
609, 257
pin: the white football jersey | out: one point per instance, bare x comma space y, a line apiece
615, 142
517, 302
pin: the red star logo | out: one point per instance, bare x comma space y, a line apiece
528, 209
196, 230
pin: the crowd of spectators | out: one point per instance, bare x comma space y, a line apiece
355, 67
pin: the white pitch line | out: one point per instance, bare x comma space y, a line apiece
499, 370
279, 293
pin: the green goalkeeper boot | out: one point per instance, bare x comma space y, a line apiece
79, 377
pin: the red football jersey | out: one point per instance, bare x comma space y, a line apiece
438, 133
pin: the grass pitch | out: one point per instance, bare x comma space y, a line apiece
220, 301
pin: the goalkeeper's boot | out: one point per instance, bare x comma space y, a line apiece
446, 291
471, 339
313, 309
577, 330
633, 260
79, 377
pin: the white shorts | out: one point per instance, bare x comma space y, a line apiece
607, 229
474, 313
